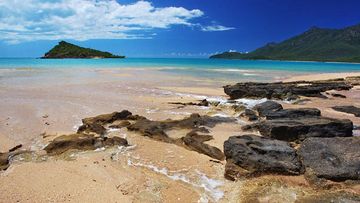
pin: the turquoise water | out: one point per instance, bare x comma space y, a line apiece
179, 63
195, 67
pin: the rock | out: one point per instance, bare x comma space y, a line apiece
336, 159
4, 161
303, 127
338, 95
81, 142
96, 124
260, 155
267, 107
92, 128
201, 103
249, 115
157, 130
15, 148
353, 80
197, 144
107, 118
348, 109
122, 124
280, 90
293, 113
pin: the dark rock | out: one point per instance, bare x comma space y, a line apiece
107, 118
303, 127
348, 109
201, 103
4, 161
280, 90
122, 124
267, 107
196, 144
15, 148
250, 115
92, 128
259, 155
293, 113
335, 159
81, 142
338, 95
96, 124
157, 130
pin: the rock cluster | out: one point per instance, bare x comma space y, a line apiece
194, 141
293, 142
288, 90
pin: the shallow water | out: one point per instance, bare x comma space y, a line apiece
208, 68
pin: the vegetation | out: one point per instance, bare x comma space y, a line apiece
316, 44
67, 50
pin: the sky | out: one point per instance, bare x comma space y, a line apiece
163, 28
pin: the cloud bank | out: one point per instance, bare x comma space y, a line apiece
30, 20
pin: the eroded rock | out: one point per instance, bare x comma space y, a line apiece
336, 158
196, 123
81, 142
267, 107
258, 155
348, 109
249, 115
303, 127
281, 90
293, 113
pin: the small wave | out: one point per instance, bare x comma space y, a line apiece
209, 185
250, 103
231, 70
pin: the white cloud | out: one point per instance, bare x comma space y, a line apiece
215, 28
29, 20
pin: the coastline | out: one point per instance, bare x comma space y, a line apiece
148, 170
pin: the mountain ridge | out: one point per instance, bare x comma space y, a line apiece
315, 44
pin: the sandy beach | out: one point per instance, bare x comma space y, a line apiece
39, 105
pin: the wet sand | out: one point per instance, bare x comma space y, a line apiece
53, 102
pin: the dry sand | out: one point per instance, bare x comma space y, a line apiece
35, 102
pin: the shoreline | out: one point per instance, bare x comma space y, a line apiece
35, 114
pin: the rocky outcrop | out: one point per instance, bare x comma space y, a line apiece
353, 80
196, 123
96, 124
196, 143
293, 113
288, 91
348, 109
249, 115
5, 157
201, 103
267, 107
81, 142
336, 159
304, 127
255, 154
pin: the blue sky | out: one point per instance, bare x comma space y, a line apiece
163, 28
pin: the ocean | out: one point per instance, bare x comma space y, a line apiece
209, 68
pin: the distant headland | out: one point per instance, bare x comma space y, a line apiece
316, 44
68, 50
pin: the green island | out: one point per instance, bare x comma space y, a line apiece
68, 50
316, 44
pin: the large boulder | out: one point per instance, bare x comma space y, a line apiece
258, 154
303, 127
280, 90
348, 109
336, 158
